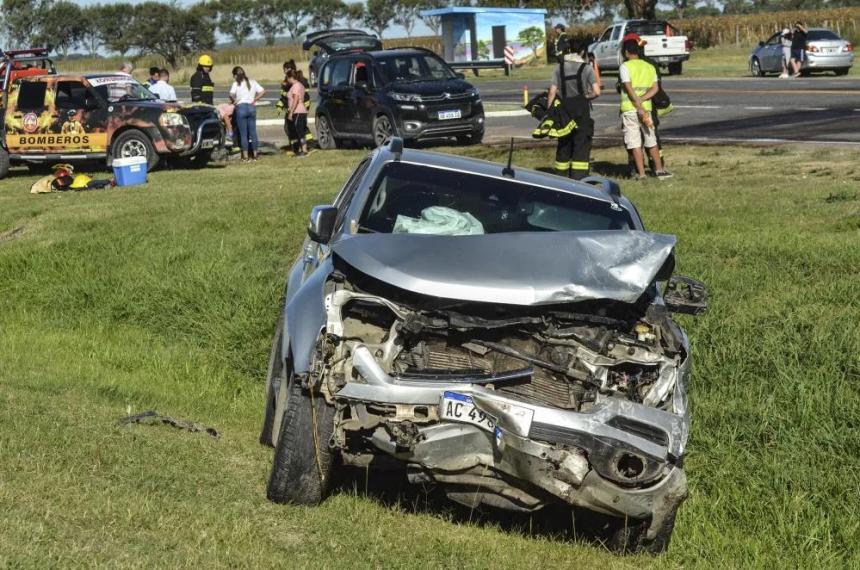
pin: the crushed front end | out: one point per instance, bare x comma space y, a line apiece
515, 407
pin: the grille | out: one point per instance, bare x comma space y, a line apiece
450, 97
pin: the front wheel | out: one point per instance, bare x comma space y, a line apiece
4, 163
134, 143
383, 130
755, 67
304, 464
325, 136
676, 68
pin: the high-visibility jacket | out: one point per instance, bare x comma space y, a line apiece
202, 87
642, 77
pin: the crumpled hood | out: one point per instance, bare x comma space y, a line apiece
526, 268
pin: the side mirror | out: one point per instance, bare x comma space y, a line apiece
761, 44
460, 75
321, 223
686, 295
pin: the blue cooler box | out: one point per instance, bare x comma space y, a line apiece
129, 171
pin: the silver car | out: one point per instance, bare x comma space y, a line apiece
495, 331
825, 51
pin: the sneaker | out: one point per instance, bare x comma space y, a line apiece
637, 178
783, 76
663, 174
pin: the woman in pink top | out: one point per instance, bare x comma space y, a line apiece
297, 113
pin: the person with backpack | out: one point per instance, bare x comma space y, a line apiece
573, 86
638, 85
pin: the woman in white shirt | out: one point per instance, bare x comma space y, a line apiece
244, 94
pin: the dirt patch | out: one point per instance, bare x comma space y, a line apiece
9, 235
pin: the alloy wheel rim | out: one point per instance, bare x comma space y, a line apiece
383, 131
323, 131
132, 148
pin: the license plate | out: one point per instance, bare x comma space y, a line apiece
208, 144
446, 115
460, 408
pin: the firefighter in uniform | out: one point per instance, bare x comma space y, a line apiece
574, 85
202, 88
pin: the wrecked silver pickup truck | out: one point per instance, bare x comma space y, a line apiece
498, 332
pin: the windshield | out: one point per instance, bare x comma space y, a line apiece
815, 35
411, 198
413, 67
117, 88
345, 43
655, 28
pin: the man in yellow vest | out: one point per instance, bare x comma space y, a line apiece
638, 85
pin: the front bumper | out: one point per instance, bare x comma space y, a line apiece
417, 121
575, 457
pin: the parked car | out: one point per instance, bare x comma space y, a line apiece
497, 331
665, 46
408, 92
49, 117
333, 42
825, 51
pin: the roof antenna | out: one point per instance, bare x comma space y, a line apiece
508, 171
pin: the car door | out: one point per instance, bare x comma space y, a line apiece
79, 112
771, 60
335, 87
362, 99
600, 49
28, 120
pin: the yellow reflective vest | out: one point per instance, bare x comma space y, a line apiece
642, 77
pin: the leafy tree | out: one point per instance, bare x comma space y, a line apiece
91, 36
354, 14
532, 37
116, 27
236, 19
406, 14
270, 19
295, 12
59, 26
177, 33
379, 15
433, 22
324, 13
17, 20
644, 9
568, 11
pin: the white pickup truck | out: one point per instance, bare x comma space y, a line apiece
665, 45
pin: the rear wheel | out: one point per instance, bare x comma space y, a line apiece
325, 136
134, 143
629, 536
274, 393
383, 130
842, 71
303, 465
676, 68
755, 67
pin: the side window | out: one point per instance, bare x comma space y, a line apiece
606, 34
774, 39
340, 73
70, 95
325, 79
344, 199
616, 32
31, 95
361, 73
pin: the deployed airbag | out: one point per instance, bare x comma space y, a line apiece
440, 221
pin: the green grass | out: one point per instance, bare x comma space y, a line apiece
165, 296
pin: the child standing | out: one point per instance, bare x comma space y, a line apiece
297, 114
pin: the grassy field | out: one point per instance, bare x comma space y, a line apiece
165, 296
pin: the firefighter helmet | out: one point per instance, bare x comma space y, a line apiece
205, 60
80, 182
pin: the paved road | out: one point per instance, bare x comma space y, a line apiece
821, 109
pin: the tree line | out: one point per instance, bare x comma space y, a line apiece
173, 31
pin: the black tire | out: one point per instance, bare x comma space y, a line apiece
630, 536
842, 71
476, 138
303, 466
325, 135
135, 143
676, 68
197, 161
274, 378
4, 163
383, 130
755, 68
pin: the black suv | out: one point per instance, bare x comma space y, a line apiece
406, 92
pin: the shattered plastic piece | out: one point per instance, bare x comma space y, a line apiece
152, 417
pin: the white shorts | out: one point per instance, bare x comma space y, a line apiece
636, 134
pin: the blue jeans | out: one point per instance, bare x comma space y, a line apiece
246, 121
